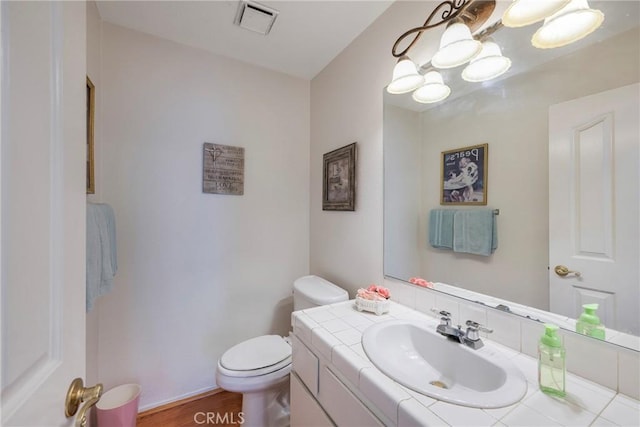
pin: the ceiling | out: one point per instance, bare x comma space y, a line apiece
306, 36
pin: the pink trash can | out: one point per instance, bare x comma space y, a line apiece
118, 407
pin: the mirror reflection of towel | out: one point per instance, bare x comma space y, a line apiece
441, 228
475, 231
101, 251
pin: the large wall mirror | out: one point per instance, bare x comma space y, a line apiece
563, 167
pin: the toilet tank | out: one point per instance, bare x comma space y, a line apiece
312, 291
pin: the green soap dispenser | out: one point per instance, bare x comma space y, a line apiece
551, 362
589, 323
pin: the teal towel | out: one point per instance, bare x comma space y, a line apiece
441, 228
101, 251
475, 232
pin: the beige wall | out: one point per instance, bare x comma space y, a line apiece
346, 106
197, 272
403, 245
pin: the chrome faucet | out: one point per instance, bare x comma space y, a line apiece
470, 337
445, 328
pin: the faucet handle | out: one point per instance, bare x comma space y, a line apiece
473, 329
445, 316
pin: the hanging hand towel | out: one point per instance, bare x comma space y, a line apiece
101, 251
441, 228
475, 232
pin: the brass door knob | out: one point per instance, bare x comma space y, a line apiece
563, 271
78, 394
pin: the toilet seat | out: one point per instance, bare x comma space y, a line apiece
251, 384
255, 357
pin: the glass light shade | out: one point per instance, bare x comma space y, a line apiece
405, 77
569, 25
456, 47
488, 65
433, 89
525, 12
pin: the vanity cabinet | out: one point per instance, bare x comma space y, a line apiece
334, 382
319, 397
305, 410
345, 408
305, 364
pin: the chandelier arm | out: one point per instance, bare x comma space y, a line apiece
453, 9
481, 36
488, 32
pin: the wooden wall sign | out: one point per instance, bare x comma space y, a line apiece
223, 169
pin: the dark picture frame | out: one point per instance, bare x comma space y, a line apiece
463, 176
91, 105
339, 179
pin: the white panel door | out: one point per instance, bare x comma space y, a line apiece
594, 216
43, 112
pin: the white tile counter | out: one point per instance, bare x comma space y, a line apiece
334, 333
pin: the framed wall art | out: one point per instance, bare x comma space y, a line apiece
91, 104
222, 169
463, 179
339, 179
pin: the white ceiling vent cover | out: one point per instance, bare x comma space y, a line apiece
255, 17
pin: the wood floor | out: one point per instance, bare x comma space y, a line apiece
220, 407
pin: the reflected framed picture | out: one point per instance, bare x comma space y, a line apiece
91, 103
463, 179
339, 179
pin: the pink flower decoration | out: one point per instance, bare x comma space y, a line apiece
379, 290
420, 282
384, 292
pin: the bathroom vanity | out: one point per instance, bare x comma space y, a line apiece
333, 382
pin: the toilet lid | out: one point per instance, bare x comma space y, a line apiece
256, 353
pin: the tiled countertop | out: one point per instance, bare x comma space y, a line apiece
335, 332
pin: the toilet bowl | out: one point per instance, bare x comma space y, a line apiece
259, 367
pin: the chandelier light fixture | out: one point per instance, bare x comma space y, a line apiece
570, 24
526, 12
405, 77
433, 89
488, 64
565, 21
457, 46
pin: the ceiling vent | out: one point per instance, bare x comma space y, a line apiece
255, 17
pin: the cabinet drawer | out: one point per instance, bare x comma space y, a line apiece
345, 408
305, 364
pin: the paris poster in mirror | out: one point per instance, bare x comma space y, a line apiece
464, 176
564, 173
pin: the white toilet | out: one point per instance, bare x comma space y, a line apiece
259, 367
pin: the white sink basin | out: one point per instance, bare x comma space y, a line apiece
419, 358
